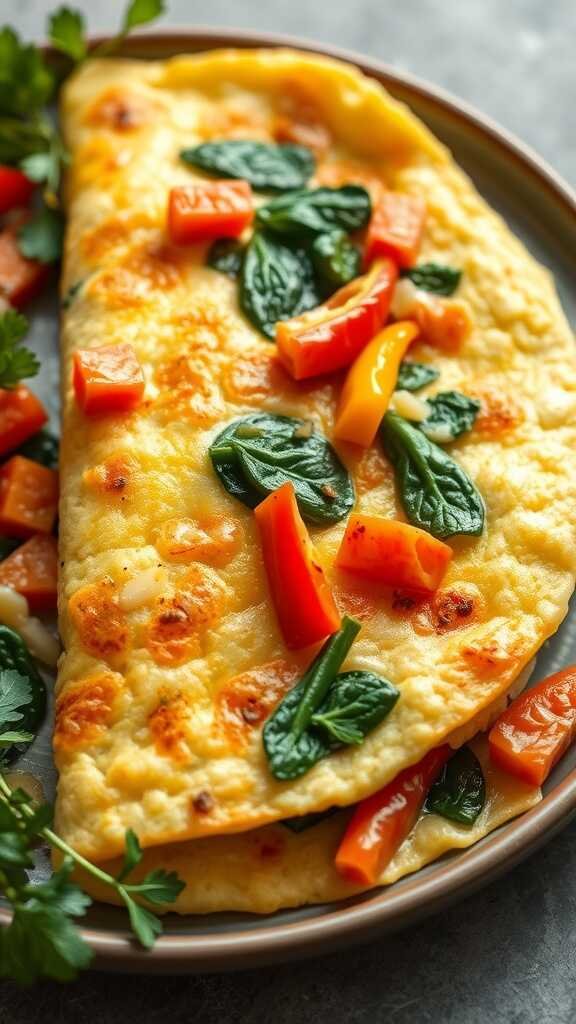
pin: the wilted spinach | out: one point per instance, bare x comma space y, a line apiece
276, 283
437, 493
267, 166
452, 413
256, 455
336, 261
459, 793
435, 277
226, 255
413, 376
306, 212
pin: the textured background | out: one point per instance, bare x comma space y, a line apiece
507, 955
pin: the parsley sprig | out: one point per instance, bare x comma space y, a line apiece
16, 361
42, 939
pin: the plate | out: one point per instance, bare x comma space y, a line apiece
541, 209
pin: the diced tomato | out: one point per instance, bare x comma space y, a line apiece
20, 279
396, 228
444, 323
302, 598
28, 497
32, 570
21, 416
107, 379
381, 823
331, 336
211, 209
15, 189
394, 553
533, 733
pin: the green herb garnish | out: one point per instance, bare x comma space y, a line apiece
66, 32
267, 166
41, 237
22, 691
452, 414
434, 277
306, 213
16, 361
413, 376
226, 255
276, 283
436, 492
336, 261
459, 793
256, 455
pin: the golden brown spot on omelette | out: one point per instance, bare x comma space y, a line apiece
174, 631
484, 655
334, 173
84, 710
102, 628
299, 119
255, 376
146, 269
113, 477
167, 727
215, 540
246, 700
358, 603
498, 413
187, 390
203, 803
448, 610
119, 110
233, 123
114, 233
96, 160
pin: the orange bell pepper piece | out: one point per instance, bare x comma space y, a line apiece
303, 600
20, 279
32, 570
535, 730
21, 416
370, 382
28, 497
211, 209
331, 336
15, 189
393, 553
107, 379
444, 323
381, 823
396, 228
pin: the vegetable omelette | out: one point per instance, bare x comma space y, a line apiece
259, 490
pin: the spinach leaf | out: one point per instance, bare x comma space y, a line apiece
413, 376
336, 261
267, 166
22, 690
226, 255
356, 703
434, 277
42, 447
276, 283
306, 821
452, 415
292, 748
437, 493
313, 212
256, 455
459, 793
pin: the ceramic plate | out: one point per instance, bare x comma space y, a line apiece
541, 209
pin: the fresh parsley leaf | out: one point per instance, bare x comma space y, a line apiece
435, 277
66, 31
60, 892
7, 739
146, 926
158, 886
132, 854
141, 12
26, 83
41, 237
15, 362
14, 851
19, 139
15, 693
42, 942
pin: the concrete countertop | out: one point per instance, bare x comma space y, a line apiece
506, 955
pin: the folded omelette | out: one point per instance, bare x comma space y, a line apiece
174, 658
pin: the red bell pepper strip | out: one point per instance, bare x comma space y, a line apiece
381, 823
21, 416
207, 210
393, 553
20, 279
28, 497
32, 570
331, 336
396, 228
303, 600
533, 733
107, 379
15, 189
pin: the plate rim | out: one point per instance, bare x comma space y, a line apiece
389, 909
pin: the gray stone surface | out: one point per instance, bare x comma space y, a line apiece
507, 955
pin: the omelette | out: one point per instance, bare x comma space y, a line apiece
174, 655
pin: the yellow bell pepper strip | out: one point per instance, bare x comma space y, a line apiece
370, 383
393, 553
330, 337
301, 594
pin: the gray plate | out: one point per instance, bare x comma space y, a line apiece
541, 209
